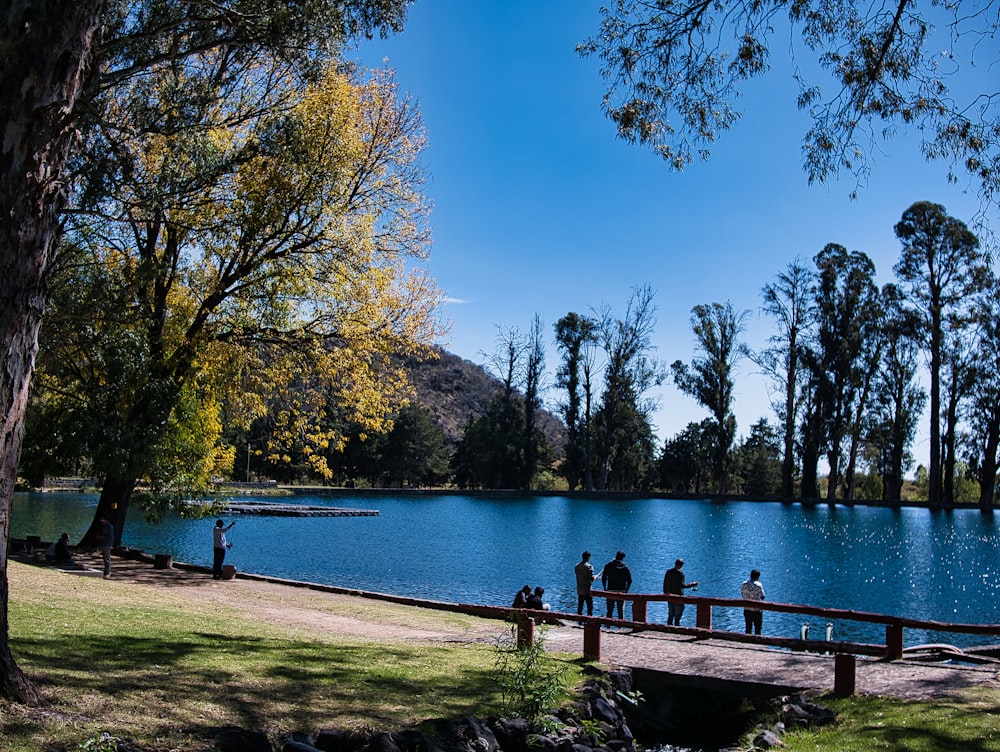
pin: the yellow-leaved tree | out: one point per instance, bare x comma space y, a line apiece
261, 250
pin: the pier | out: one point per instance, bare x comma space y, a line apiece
272, 509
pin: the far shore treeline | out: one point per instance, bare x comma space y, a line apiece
846, 357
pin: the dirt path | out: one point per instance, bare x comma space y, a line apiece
287, 606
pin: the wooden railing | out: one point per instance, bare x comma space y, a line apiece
844, 653
892, 649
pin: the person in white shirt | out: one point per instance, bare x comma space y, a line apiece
752, 590
219, 546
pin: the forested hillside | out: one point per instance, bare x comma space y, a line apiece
454, 390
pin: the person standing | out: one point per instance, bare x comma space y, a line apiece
584, 580
105, 540
219, 546
752, 590
616, 577
674, 584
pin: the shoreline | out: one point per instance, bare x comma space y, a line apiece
274, 489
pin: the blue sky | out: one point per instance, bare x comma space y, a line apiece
541, 209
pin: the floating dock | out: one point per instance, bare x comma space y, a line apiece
269, 509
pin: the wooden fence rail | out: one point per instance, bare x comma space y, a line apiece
894, 625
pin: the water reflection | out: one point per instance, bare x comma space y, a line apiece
907, 562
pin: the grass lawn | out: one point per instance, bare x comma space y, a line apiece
970, 723
144, 663
150, 664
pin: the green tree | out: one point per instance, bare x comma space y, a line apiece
674, 72
760, 461
845, 349
489, 453
898, 399
575, 337
790, 301
983, 409
503, 448
685, 464
940, 270
623, 434
709, 377
534, 373
812, 427
278, 274
49, 74
413, 453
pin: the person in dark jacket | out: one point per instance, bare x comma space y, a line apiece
674, 584
616, 577
61, 552
522, 597
585, 577
534, 601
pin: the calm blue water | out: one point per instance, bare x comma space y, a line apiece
909, 562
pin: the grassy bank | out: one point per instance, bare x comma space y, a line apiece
146, 663
967, 723
157, 665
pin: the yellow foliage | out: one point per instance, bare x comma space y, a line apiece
268, 250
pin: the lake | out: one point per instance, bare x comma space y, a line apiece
923, 564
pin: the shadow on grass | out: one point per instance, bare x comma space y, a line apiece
206, 680
970, 723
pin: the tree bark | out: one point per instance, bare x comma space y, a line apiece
113, 505
45, 51
988, 466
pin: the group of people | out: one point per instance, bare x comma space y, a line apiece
616, 577
59, 552
531, 599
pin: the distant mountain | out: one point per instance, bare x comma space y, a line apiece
456, 390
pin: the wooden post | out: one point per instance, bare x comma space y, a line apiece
893, 641
844, 670
592, 641
639, 609
703, 619
525, 630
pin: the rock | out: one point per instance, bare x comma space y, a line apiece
466, 735
382, 743
233, 739
767, 739
620, 680
511, 734
330, 740
542, 743
296, 737
604, 711
295, 746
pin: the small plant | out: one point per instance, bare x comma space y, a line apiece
530, 681
103, 742
593, 728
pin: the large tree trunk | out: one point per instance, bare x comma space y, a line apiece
988, 466
934, 468
113, 506
892, 481
45, 50
833, 459
949, 441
